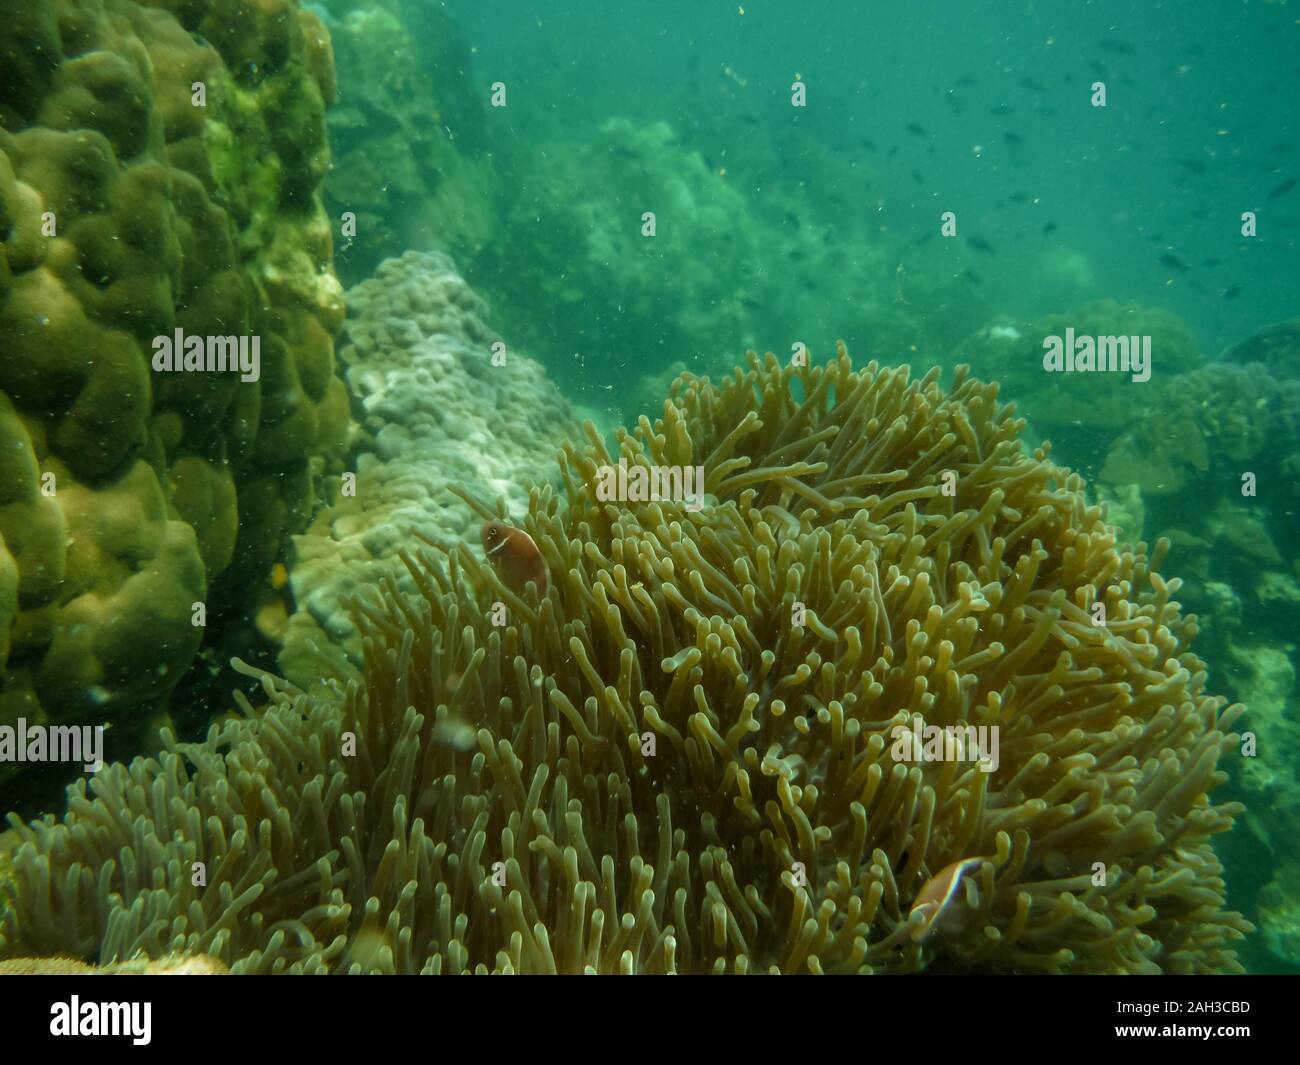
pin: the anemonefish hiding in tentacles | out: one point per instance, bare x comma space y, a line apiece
514, 556
937, 896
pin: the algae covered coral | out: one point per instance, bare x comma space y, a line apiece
680, 758
160, 167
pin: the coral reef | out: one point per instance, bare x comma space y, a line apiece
407, 136
159, 168
679, 758
434, 410
574, 234
1216, 462
1083, 413
728, 250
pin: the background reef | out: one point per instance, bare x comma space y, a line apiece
126, 212
1184, 464
654, 768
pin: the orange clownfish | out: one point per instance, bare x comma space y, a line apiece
514, 556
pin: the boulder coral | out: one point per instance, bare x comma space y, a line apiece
159, 170
679, 758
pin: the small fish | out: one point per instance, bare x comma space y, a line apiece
1109, 44
971, 276
868, 145
1212, 262
514, 556
1018, 197
892, 152
1232, 292
1173, 262
980, 244
279, 576
1194, 165
1049, 227
916, 176
1030, 83
1282, 189
937, 896
1014, 140
917, 128
1097, 68
999, 109
966, 81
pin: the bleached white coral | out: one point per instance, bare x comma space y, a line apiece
437, 410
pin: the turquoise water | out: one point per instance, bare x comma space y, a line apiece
981, 109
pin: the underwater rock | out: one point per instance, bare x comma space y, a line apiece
1276, 347
434, 410
160, 168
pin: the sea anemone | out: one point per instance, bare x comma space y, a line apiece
680, 753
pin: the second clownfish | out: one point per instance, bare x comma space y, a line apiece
514, 556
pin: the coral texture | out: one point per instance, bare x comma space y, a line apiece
1216, 464
656, 768
407, 136
435, 410
196, 965
1083, 413
133, 204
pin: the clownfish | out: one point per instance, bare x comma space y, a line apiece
937, 895
514, 556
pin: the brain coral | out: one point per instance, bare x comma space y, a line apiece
126, 212
504, 807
